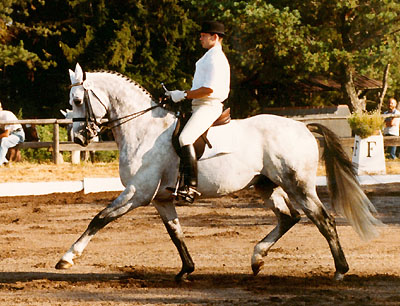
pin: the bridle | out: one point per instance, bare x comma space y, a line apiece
92, 126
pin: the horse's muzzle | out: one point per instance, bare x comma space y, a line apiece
80, 140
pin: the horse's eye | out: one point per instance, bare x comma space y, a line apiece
77, 101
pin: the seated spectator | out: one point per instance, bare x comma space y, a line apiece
11, 134
392, 125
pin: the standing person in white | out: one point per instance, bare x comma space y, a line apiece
392, 125
12, 134
210, 87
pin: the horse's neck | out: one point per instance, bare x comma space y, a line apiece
127, 98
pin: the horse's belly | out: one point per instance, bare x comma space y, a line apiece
225, 174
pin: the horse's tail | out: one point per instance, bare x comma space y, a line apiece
347, 196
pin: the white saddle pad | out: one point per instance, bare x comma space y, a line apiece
222, 139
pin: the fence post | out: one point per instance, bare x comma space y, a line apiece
56, 144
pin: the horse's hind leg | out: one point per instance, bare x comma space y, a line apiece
169, 216
287, 217
317, 213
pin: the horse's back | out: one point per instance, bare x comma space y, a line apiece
265, 144
278, 135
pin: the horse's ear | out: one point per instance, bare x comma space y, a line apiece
72, 76
78, 73
64, 113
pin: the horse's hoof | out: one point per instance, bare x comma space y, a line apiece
183, 279
63, 264
338, 276
184, 274
256, 267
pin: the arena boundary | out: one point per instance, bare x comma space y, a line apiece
96, 185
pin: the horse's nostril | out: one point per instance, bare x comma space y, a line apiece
77, 101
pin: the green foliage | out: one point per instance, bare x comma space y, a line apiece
273, 46
106, 156
36, 155
365, 124
143, 40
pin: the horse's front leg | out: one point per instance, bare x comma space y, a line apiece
168, 214
120, 206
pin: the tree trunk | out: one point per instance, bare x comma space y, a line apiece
356, 104
384, 87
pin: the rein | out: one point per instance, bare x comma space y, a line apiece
91, 118
128, 117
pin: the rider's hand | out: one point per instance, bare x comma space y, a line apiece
176, 95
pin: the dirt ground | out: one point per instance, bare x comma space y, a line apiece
133, 262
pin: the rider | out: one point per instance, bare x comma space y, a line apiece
210, 87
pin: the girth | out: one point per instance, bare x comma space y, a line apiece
202, 141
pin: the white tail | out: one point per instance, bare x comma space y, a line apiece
347, 196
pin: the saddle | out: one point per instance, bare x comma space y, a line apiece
202, 141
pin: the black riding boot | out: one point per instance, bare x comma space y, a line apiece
189, 161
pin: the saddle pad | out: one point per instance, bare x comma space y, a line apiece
222, 138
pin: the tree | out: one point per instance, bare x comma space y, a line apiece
273, 47
12, 51
290, 40
29, 46
142, 39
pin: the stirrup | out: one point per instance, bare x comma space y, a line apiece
187, 194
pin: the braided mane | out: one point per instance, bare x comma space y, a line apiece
124, 77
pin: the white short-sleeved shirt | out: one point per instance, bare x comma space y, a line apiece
392, 130
212, 71
7, 115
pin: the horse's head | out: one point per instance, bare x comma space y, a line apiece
89, 105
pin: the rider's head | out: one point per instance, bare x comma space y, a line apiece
211, 33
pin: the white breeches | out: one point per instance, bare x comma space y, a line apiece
203, 116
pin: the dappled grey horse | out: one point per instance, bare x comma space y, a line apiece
276, 155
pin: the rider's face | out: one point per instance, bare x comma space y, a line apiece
207, 40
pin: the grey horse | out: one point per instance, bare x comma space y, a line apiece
281, 164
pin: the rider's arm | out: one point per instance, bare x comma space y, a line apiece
199, 93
